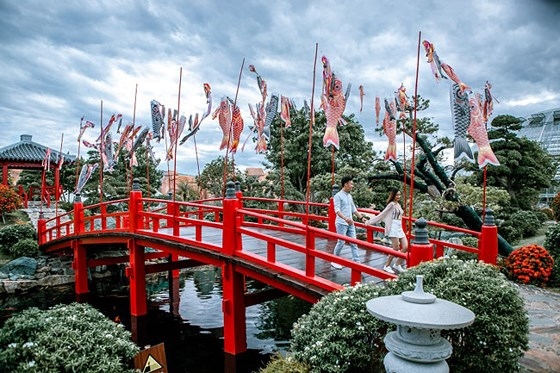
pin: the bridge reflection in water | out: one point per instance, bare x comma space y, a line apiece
283, 244
189, 322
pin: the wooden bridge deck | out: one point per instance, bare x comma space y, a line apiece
295, 259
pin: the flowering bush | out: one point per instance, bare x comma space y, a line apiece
531, 264
65, 338
339, 335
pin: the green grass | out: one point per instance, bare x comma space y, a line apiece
538, 239
14, 217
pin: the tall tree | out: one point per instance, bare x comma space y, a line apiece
525, 168
117, 184
212, 176
292, 148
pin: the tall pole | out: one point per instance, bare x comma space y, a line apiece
101, 156
412, 165
133, 125
176, 136
310, 142
231, 132
78, 157
57, 177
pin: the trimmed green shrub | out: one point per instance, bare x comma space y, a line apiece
12, 234
509, 232
65, 338
552, 244
498, 337
548, 213
555, 206
339, 334
527, 222
280, 364
26, 247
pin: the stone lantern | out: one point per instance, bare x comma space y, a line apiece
417, 345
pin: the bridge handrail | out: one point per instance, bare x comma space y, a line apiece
310, 233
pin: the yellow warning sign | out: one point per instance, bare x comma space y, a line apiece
151, 365
151, 360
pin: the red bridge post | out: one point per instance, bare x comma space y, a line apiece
332, 215
80, 251
233, 286
137, 271
41, 229
420, 248
488, 243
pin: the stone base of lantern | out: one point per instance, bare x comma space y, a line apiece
395, 364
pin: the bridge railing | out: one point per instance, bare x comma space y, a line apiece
287, 215
308, 248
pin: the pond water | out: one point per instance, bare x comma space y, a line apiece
189, 322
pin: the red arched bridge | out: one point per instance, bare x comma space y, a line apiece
287, 245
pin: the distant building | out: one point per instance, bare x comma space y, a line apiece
167, 182
544, 128
256, 172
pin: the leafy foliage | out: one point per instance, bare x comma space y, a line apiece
117, 184
279, 364
552, 244
339, 335
498, 336
525, 168
290, 150
26, 247
531, 264
555, 206
212, 176
65, 338
10, 235
9, 200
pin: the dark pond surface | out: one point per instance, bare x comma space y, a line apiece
189, 322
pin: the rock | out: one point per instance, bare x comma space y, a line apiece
12, 287
21, 266
55, 280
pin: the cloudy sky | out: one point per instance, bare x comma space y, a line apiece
60, 59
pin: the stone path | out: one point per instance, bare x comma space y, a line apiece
543, 308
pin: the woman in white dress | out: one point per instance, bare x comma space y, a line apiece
392, 218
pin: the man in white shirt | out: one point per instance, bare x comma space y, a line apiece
344, 209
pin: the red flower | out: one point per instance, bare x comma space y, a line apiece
530, 264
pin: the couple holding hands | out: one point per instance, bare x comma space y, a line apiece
391, 215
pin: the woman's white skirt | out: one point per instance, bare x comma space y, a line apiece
396, 229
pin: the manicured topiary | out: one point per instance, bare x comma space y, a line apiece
66, 338
12, 234
26, 247
339, 334
552, 244
531, 264
555, 206
280, 364
498, 337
